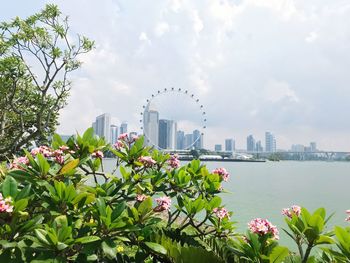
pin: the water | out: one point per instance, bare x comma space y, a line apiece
263, 189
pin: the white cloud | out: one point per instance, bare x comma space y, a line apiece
279, 90
312, 36
161, 28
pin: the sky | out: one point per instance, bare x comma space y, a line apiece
255, 65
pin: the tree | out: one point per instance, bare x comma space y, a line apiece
36, 57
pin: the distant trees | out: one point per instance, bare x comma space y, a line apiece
36, 57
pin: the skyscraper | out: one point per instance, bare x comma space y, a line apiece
197, 140
230, 145
189, 141
250, 144
151, 125
167, 134
270, 142
180, 140
258, 147
218, 147
102, 126
114, 134
123, 128
313, 147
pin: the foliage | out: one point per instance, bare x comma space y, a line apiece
36, 57
58, 205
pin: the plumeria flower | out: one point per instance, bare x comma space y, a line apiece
44, 150
221, 213
263, 227
164, 204
6, 204
18, 162
223, 173
97, 154
141, 197
123, 137
174, 161
294, 210
147, 161
348, 213
118, 145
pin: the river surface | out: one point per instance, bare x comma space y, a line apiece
263, 189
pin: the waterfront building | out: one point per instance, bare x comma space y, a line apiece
189, 141
151, 125
180, 140
197, 140
102, 126
270, 142
298, 148
258, 147
123, 128
230, 145
167, 134
114, 134
313, 147
250, 144
218, 147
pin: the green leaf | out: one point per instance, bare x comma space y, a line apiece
87, 239
9, 187
278, 254
44, 165
156, 247
88, 134
20, 205
108, 248
145, 206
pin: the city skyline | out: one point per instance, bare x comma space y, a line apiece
289, 76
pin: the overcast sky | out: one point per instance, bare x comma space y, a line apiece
256, 65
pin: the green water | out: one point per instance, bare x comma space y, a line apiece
263, 189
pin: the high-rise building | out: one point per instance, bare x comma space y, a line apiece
270, 142
313, 147
298, 148
230, 145
218, 147
102, 126
123, 128
250, 144
151, 125
94, 127
197, 140
114, 134
180, 140
167, 134
189, 141
258, 147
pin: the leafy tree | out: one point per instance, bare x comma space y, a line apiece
36, 57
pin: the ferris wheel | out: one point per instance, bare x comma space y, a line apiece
173, 119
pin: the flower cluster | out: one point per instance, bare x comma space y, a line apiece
294, 210
118, 145
223, 173
164, 204
5, 204
123, 137
97, 154
44, 150
263, 227
141, 197
174, 161
348, 214
18, 162
147, 161
47, 152
221, 213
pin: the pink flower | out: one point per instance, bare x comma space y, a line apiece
18, 162
6, 204
174, 161
64, 148
123, 137
294, 210
164, 204
118, 145
44, 150
147, 161
59, 159
263, 227
221, 213
97, 154
134, 138
141, 197
223, 173
348, 213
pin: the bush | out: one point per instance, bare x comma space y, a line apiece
149, 209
